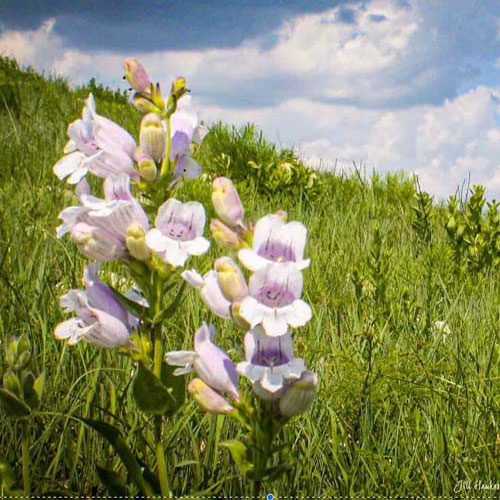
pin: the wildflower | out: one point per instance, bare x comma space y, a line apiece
178, 231
270, 364
226, 202
96, 145
274, 299
300, 395
210, 292
276, 241
100, 318
210, 363
184, 129
99, 226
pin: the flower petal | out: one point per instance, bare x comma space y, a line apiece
298, 313
251, 260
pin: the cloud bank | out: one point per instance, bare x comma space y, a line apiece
392, 84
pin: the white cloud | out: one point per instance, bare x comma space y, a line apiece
373, 91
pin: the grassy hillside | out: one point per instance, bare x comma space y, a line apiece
404, 407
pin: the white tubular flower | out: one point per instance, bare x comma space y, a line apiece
100, 318
276, 241
178, 232
274, 300
100, 226
270, 364
97, 145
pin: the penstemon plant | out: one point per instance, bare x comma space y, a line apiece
140, 224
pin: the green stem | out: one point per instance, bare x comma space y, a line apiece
26, 460
157, 361
160, 458
165, 164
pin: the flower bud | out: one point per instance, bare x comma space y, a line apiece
238, 319
282, 215
136, 242
136, 75
226, 237
226, 201
208, 399
179, 88
147, 168
300, 395
145, 105
152, 137
12, 384
231, 280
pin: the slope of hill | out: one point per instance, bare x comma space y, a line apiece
406, 406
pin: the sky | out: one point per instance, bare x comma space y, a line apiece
391, 85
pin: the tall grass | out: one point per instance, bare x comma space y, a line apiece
403, 408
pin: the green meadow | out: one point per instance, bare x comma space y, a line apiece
405, 406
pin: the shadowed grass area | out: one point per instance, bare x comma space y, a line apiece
404, 407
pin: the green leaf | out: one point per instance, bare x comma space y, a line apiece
30, 395
113, 436
240, 453
136, 309
162, 315
115, 484
13, 406
176, 385
39, 385
7, 478
150, 394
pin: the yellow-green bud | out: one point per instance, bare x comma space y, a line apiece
147, 168
208, 399
145, 105
152, 137
300, 395
136, 242
226, 237
179, 87
231, 280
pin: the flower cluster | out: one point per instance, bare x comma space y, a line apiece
267, 308
116, 227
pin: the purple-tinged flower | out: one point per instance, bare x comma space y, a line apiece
210, 292
178, 232
227, 203
96, 145
209, 362
184, 129
208, 399
99, 226
270, 364
100, 318
276, 241
274, 299
300, 395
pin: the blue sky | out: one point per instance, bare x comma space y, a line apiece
390, 84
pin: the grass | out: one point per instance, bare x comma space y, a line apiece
402, 408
